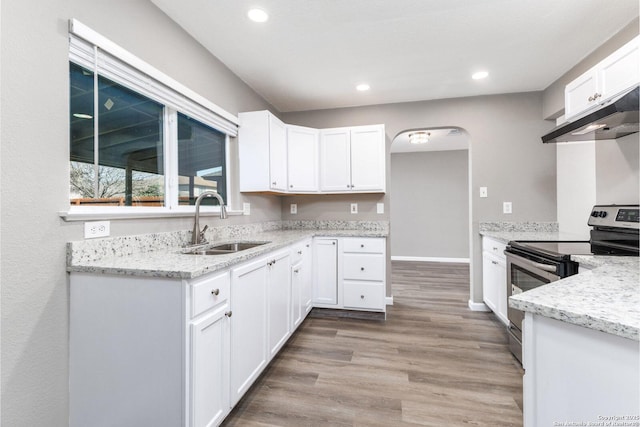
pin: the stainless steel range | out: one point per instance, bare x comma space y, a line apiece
615, 231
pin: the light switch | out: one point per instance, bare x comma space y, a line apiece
354, 208
506, 207
483, 192
380, 208
294, 208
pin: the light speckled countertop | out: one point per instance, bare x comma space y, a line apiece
123, 256
604, 296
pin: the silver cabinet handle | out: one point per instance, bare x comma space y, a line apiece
361, 296
333, 243
348, 186
296, 271
362, 246
591, 98
361, 268
274, 183
299, 252
229, 313
215, 292
495, 249
290, 185
494, 263
307, 245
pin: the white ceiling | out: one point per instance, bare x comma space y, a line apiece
312, 53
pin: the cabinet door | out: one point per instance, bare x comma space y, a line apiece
325, 267
489, 283
277, 153
248, 325
306, 293
297, 307
494, 285
279, 302
579, 94
620, 70
302, 152
501, 280
367, 158
335, 162
209, 376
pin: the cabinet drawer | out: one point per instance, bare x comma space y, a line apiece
209, 292
364, 245
493, 247
363, 267
364, 295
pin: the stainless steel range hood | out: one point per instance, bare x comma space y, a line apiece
616, 119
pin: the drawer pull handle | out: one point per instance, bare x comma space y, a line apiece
307, 245
361, 296
362, 246
333, 243
215, 292
296, 271
229, 313
361, 268
299, 252
495, 249
494, 263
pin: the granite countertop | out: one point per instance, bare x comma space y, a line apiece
605, 298
507, 236
166, 259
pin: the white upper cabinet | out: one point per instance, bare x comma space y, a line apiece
307, 160
335, 160
302, 151
613, 75
262, 136
367, 158
352, 159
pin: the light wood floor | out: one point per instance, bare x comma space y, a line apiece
433, 362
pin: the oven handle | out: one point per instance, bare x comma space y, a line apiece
540, 266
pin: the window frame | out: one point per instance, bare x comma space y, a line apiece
91, 50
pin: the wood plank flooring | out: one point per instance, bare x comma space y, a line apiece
433, 362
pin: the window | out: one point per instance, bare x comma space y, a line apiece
138, 139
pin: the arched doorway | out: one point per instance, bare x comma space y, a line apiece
429, 196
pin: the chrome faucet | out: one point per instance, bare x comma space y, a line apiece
198, 235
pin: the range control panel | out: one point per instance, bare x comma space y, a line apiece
623, 216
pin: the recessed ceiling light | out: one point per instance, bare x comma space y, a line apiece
363, 87
82, 116
258, 15
480, 75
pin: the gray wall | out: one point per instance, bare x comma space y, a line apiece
617, 176
553, 96
506, 154
34, 167
430, 204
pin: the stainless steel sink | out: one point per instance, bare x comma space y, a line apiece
227, 248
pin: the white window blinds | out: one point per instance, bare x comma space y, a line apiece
98, 54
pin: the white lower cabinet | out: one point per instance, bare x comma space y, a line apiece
301, 287
168, 352
279, 301
350, 273
148, 351
248, 325
325, 272
494, 278
210, 368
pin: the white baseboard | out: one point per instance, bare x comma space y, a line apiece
429, 259
478, 306
389, 300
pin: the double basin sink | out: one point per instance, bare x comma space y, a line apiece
223, 249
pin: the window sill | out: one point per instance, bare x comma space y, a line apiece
102, 215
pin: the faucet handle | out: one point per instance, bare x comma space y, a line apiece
201, 238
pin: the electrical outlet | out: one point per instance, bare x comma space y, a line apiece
95, 229
483, 192
354, 208
294, 208
380, 208
506, 207
246, 208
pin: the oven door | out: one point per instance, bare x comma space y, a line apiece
522, 275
